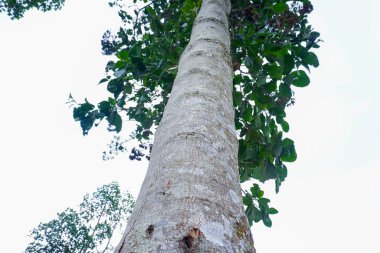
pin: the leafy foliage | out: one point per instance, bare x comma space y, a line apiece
17, 8
88, 230
271, 43
257, 206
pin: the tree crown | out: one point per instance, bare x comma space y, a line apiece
272, 50
89, 229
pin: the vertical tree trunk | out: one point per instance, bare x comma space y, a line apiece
190, 200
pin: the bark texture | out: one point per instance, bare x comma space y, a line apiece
190, 200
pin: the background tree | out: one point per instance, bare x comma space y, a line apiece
16, 8
89, 229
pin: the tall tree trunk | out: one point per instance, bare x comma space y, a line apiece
190, 200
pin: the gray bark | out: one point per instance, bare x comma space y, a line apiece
190, 200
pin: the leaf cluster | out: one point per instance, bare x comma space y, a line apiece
257, 206
88, 230
147, 49
271, 52
16, 9
271, 47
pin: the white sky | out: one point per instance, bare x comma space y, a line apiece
330, 201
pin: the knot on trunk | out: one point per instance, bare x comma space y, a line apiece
190, 243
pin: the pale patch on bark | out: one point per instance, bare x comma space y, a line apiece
190, 200
214, 232
235, 198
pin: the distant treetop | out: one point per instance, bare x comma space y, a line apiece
15, 9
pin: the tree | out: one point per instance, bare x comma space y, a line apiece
190, 198
17, 8
90, 229
224, 118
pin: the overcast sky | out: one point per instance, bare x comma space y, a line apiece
330, 201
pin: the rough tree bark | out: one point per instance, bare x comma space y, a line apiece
190, 200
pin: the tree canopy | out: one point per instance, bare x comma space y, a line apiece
272, 52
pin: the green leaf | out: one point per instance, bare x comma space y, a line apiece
270, 171
272, 210
285, 126
112, 101
267, 221
277, 185
276, 110
120, 64
147, 123
248, 62
263, 202
274, 71
123, 55
272, 86
285, 91
255, 190
257, 216
287, 142
311, 59
103, 80
289, 157
300, 78
105, 108
280, 7
288, 64
150, 11
237, 98
128, 88
81, 111
86, 124
247, 112
247, 200
282, 172
244, 175
249, 213
288, 153
253, 214
115, 120
115, 86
